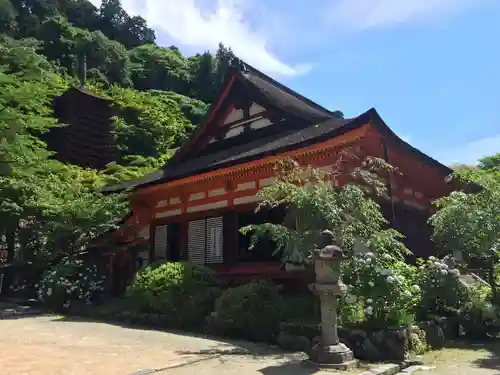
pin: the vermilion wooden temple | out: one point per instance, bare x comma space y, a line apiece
193, 207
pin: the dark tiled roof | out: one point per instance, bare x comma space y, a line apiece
275, 144
144, 180
86, 92
284, 98
266, 146
270, 92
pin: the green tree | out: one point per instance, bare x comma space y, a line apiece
8, 16
313, 204
470, 221
490, 163
46, 208
159, 68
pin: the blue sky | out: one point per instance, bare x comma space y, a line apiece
430, 67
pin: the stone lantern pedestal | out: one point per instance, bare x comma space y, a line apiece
330, 352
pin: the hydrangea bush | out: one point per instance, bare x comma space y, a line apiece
443, 292
384, 287
69, 281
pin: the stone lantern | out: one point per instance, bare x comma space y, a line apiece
330, 352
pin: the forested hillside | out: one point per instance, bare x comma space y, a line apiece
160, 92
46, 206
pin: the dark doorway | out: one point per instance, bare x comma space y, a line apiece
173, 247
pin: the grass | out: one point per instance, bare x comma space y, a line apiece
476, 356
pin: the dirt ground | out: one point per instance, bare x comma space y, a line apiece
51, 345
55, 345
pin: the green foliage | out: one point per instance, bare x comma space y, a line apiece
183, 292
490, 163
119, 47
314, 204
70, 281
160, 68
479, 319
150, 124
46, 208
252, 311
418, 341
470, 221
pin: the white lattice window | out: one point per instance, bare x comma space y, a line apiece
214, 243
160, 249
205, 241
196, 241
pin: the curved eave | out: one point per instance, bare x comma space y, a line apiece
377, 121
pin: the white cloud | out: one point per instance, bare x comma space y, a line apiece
364, 14
471, 152
192, 23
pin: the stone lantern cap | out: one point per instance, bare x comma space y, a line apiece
329, 251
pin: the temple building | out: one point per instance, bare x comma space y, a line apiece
85, 136
193, 207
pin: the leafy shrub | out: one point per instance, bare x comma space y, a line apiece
350, 313
442, 291
301, 308
182, 291
252, 311
478, 318
70, 281
385, 288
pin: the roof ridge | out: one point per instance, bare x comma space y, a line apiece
282, 87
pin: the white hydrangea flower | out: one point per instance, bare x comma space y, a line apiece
407, 293
415, 288
455, 272
369, 255
371, 283
432, 258
369, 301
387, 256
400, 278
444, 272
369, 310
368, 260
49, 291
350, 298
391, 279
385, 272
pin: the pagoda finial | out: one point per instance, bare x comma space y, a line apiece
83, 78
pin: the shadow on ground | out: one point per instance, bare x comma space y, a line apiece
492, 358
289, 368
12, 310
